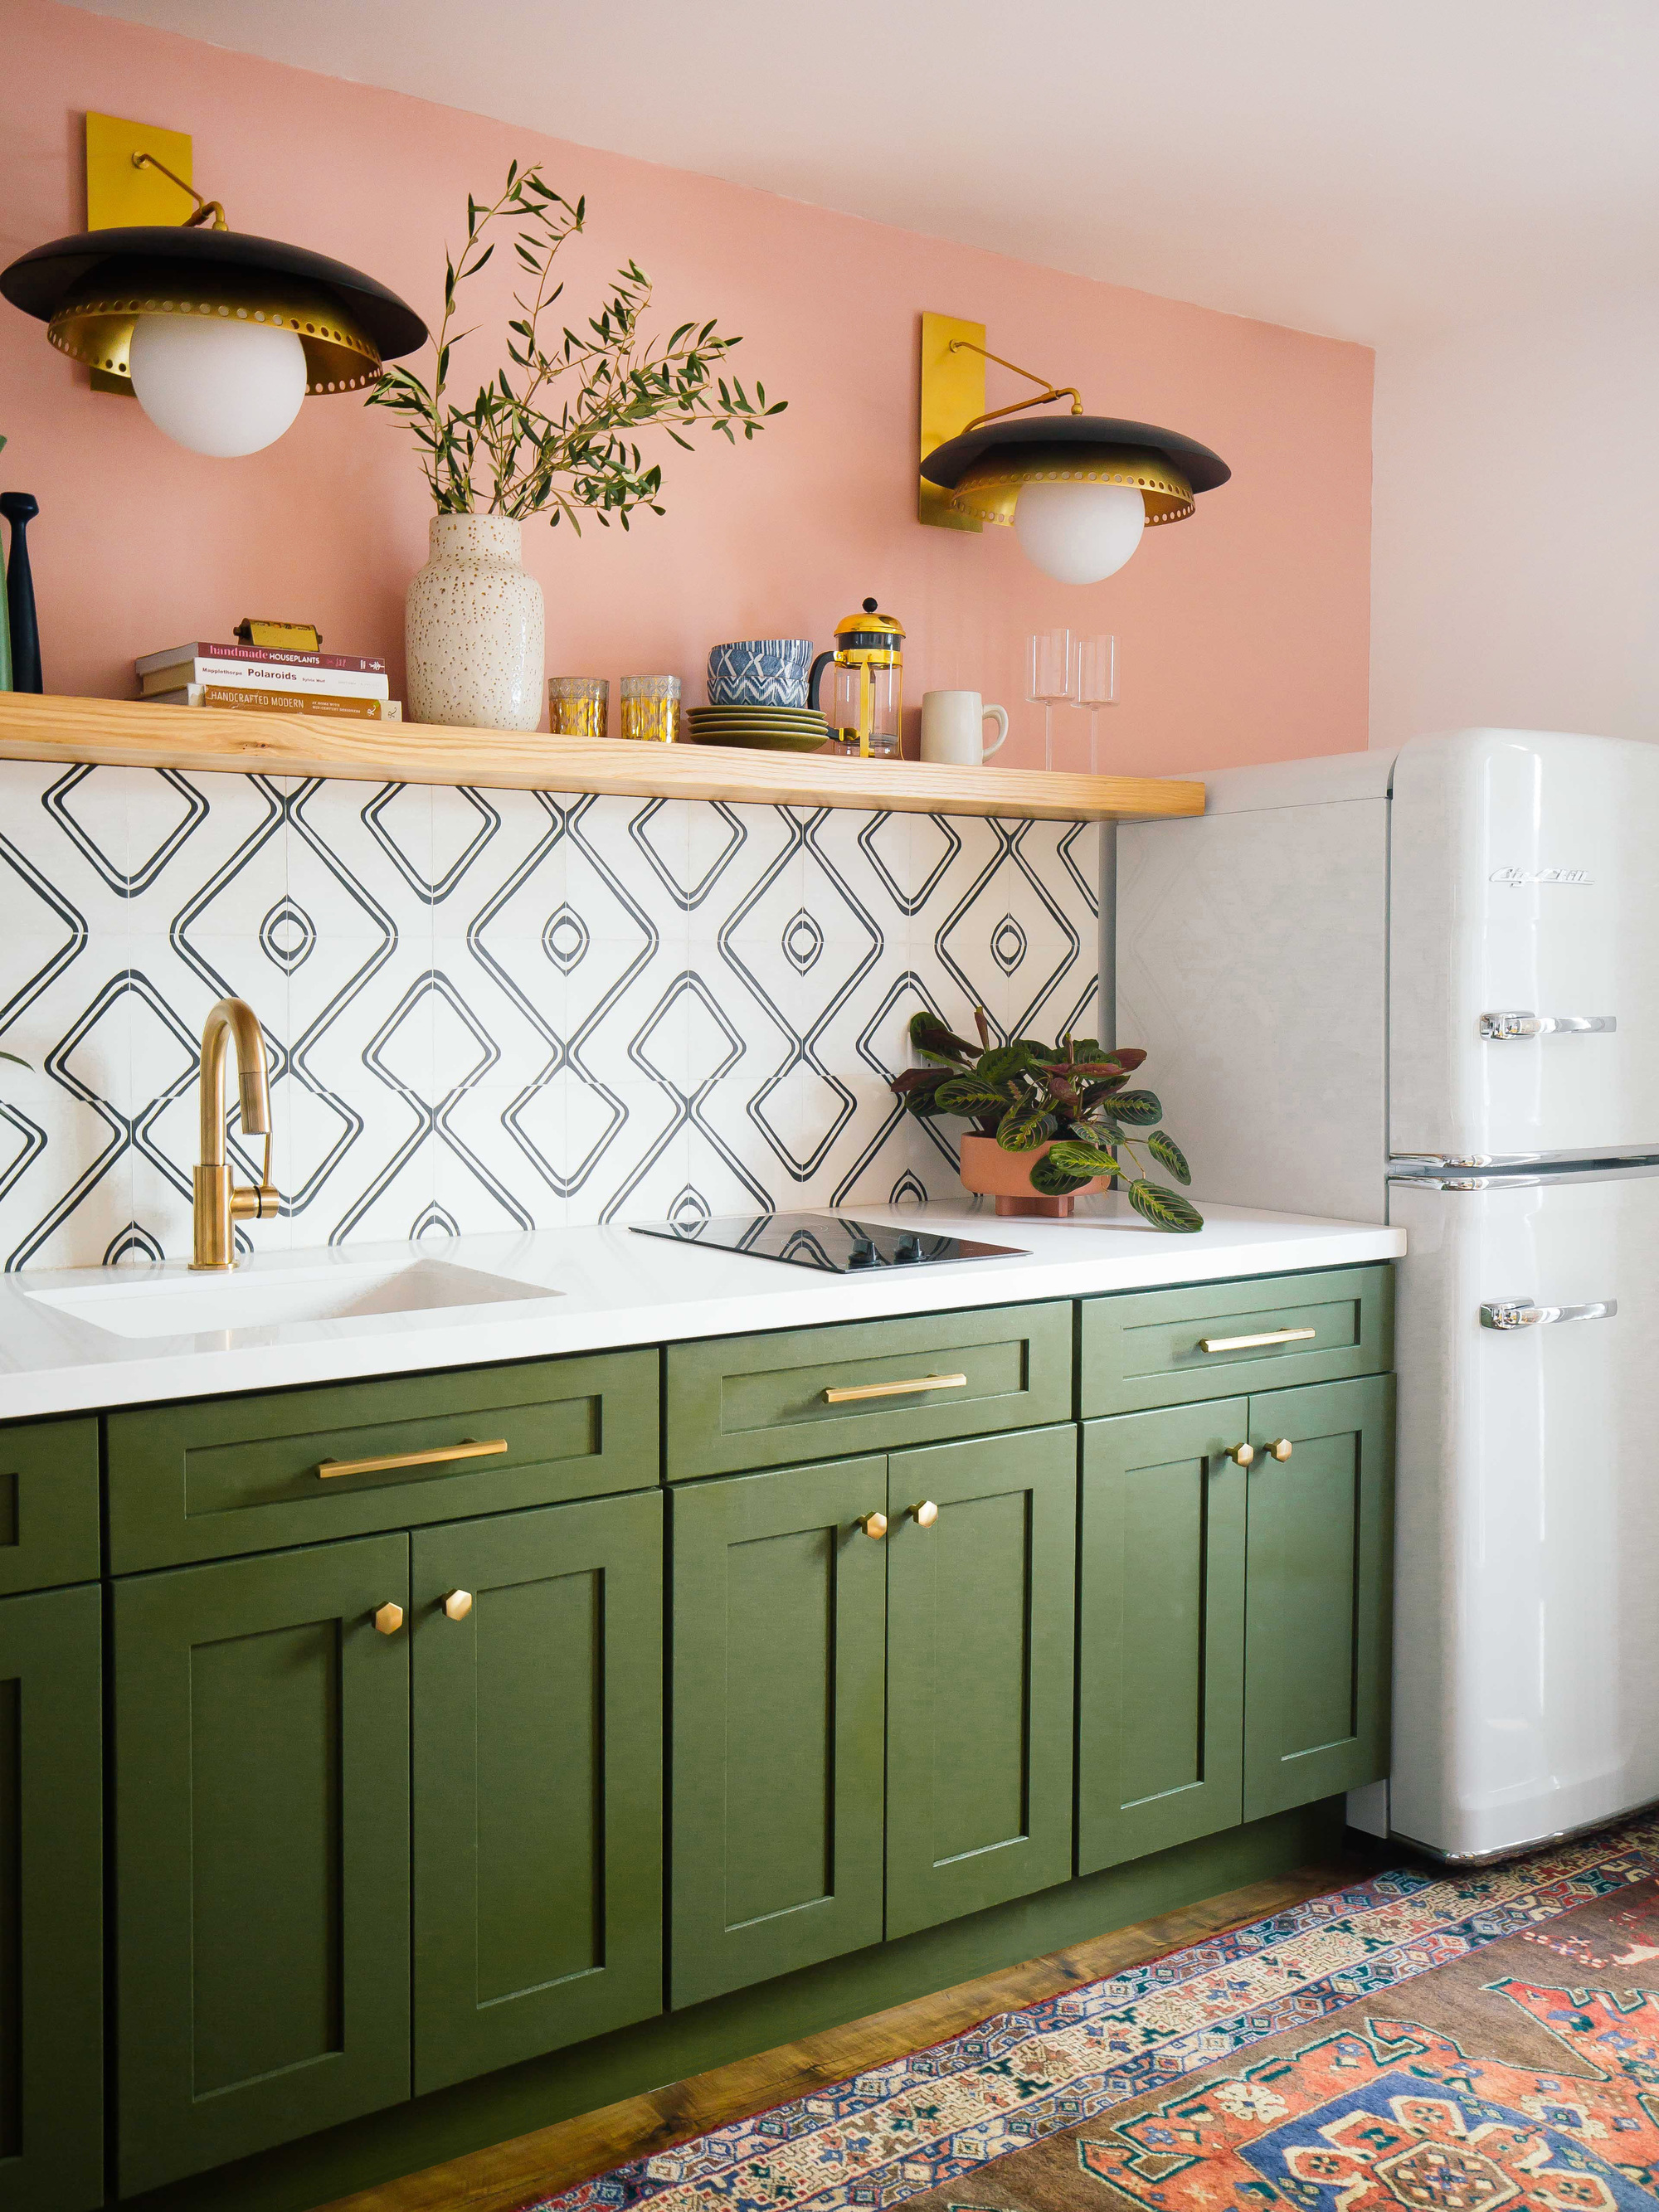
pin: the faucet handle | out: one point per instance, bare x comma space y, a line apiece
260, 1202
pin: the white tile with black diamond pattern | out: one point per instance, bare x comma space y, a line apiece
492, 1010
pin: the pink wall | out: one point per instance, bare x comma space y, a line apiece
1243, 633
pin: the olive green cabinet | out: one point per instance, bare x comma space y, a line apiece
262, 1851
980, 1661
1161, 1645
1317, 1646
265, 1713
51, 1964
537, 1653
780, 1611
1234, 1645
802, 1827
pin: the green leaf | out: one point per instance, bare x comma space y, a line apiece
1079, 1157
966, 1094
1166, 1150
1004, 1063
12, 1057
1165, 1208
1024, 1127
1136, 1109
1050, 1180
930, 1037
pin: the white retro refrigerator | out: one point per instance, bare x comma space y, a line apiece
1423, 987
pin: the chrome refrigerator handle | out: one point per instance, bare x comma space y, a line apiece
1499, 1026
1521, 1313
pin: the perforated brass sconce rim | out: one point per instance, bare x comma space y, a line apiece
96, 325
990, 486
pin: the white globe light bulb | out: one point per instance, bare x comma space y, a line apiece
219, 386
1078, 532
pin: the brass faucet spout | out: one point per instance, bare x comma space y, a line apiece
219, 1202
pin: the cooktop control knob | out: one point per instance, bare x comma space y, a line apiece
864, 1256
909, 1249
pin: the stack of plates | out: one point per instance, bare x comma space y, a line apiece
785, 729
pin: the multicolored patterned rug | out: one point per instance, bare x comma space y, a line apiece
1519, 2069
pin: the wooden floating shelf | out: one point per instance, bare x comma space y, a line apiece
218, 740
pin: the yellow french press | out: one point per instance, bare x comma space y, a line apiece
869, 684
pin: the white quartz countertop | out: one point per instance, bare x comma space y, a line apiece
597, 1289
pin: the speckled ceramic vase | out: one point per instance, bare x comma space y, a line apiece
473, 628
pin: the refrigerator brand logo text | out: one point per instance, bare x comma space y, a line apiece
1518, 878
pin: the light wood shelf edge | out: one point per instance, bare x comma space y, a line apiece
130, 733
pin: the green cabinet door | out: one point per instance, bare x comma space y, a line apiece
779, 1604
980, 1610
1161, 1632
1317, 1648
52, 1959
261, 1729
537, 1772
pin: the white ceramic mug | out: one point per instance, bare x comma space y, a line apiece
953, 728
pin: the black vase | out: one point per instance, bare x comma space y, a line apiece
20, 509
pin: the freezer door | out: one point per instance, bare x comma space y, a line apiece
1527, 1546
1523, 896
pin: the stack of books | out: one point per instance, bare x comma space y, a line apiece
270, 681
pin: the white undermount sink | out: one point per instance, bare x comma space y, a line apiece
169, 1303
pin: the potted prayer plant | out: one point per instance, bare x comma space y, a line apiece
555, 431
1049, 1120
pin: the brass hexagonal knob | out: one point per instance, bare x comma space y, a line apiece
926, 1514
1242, 1454
389, 1617
458, 1604
873, 1524
1280, 1449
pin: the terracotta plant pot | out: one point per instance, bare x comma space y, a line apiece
1006, 1176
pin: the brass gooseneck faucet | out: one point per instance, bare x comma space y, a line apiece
219, 1202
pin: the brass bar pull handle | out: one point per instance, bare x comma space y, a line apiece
1252, 1343
329, 1467
894, 1389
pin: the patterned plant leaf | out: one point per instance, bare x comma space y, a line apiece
1077, 1156
1004, 1064
924, 1104
967, 1094
1059, 1080
1166, 1150
1137, 1109
1022, 1129
930, 1037
1050, 1180
1164, 1208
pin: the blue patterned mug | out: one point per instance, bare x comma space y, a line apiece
759, 671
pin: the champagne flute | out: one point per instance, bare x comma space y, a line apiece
1097, 683
1051, 677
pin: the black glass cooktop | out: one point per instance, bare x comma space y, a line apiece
824, 1240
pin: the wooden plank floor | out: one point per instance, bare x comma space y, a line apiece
511, 2174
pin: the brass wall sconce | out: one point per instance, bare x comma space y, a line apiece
221, 335
1078, 489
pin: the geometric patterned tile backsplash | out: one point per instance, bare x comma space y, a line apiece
490, 1010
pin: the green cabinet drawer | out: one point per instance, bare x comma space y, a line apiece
218, 1476
48, 1504
51, 1903
748, 1401
1142, 1349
